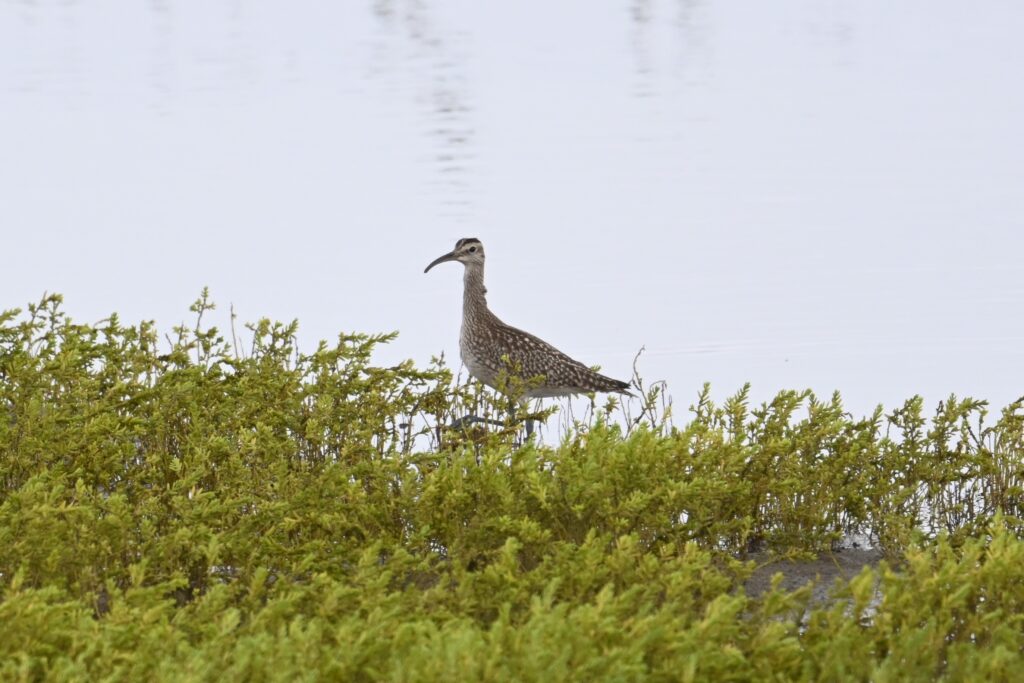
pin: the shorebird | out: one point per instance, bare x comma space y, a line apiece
491, 349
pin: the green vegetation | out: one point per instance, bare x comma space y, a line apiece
184, 509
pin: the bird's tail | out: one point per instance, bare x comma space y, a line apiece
616, 386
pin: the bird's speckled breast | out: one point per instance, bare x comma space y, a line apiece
474, 362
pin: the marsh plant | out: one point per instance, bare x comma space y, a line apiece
225, 506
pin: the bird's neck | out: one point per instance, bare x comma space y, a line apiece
474, 293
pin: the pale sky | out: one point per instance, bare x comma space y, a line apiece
796, 194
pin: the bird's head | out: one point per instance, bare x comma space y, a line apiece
468, 251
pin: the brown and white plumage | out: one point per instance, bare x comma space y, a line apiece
486, 342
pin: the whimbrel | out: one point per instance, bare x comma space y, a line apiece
488, 346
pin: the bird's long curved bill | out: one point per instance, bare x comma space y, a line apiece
450, 256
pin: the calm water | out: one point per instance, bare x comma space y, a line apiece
797, 193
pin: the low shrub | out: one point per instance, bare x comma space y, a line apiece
192, 510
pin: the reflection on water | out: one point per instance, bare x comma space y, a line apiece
796, 193
435, 63
159, 71
669, 45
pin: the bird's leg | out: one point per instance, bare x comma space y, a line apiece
524, 404
474, 419
471, 419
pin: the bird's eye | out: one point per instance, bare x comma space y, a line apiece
472, 250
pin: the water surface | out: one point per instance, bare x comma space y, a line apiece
796, 193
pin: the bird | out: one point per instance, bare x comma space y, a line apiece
492, 350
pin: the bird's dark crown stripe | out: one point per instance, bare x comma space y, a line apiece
466, 240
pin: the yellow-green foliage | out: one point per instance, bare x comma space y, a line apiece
186, 510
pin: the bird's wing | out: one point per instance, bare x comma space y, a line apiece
533, 356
